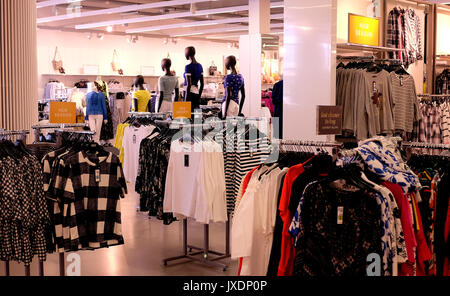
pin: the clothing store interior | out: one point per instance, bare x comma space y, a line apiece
109, 110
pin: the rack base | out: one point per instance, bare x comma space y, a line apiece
205, 252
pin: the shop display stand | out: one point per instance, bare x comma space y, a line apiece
192, 252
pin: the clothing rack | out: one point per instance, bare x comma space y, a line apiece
204, 251
356, 58
426, 145
23, 134
148, 114
37, 128
311, 143
59, 132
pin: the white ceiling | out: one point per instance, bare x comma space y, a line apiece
200, 19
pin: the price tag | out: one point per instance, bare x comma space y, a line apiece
186, 160
340, 215
97, 176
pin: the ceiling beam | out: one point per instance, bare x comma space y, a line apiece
120, 9
48, 3
189, 25
197, 24
221, 30
171, 16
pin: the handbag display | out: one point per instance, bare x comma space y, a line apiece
116, 64
57, 62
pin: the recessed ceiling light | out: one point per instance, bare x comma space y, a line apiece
109, 29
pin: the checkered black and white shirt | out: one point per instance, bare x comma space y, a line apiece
88, 189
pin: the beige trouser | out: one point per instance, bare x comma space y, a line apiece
95, 124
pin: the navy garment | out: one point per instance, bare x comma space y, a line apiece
196, 71
235, 82
96, 104
277, 100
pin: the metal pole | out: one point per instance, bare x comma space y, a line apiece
206, 241
227, 236
41, 268
27, 270
185, 244
7, 273
61, 265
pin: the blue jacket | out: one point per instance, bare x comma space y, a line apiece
96, 104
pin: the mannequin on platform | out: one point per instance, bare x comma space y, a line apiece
96, 113
192, 76
234, 85
167, 84
141, 97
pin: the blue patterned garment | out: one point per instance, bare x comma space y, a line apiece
294, 228
382, 158
235, 82
387, 237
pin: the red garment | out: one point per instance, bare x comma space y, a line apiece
446, 271
244, 187
286, 265
423, 253
407, 225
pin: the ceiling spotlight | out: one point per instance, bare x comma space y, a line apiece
109, 29
174, 40
229, 45
165, 41
100, 36
89, 36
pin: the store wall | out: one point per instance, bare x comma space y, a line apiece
18, 64
443, 34
77, 50
344, 7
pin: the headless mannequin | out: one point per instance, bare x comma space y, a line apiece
230, 64
190, 55
95, 121
139, 84
165, 66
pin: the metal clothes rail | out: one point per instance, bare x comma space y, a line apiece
426, 145
37, 128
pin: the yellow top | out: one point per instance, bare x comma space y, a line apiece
143, 97
119, 139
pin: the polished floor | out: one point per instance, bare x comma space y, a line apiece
147, 242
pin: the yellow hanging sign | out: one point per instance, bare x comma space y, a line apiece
63, 112
363, 30
182, 110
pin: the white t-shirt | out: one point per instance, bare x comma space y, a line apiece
254, 222
131, 143
195, 182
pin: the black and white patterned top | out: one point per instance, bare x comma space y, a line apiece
23, 212
88, 189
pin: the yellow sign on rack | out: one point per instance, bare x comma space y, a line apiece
63, 112
363, 30
182, 110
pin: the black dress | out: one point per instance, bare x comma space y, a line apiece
107, 132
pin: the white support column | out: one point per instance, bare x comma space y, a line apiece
309, 64
250, 54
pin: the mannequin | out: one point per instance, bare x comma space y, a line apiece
141, 97
79, 98
193, 75
234, 84
167, 84
96, 113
